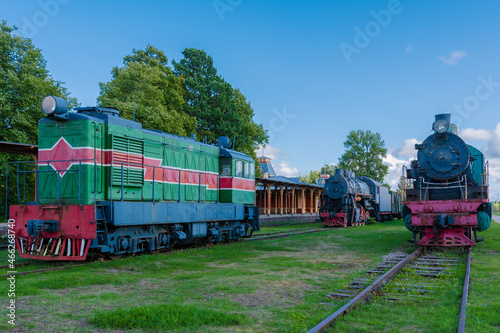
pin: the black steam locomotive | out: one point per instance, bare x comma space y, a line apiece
447, 199
349, 200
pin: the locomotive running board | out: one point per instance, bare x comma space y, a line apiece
446, 237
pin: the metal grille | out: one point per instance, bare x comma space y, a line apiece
127, 158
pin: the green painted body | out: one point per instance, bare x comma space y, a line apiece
108, 141
477, 165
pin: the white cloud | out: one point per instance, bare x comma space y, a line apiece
269, 151
475, 134
409, 48
453, 58
395, 169
278, 161
493, 145
494, 167
283, 168
407, 149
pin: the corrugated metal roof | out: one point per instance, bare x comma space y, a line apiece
267, 168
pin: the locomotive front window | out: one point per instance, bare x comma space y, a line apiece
239, 169
247, 171
225, 167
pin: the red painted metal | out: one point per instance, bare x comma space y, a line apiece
234, 183
446, 237
464, 213
76, 223
339, 220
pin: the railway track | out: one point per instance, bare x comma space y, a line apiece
382, 282
287, 233
279, 224
269, 235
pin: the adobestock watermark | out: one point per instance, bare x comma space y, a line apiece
221, 7
373, 28
11, 273
470, 104
279, 122
48, 9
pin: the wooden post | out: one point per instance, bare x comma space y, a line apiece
312, 205
303, 200
281, 200
293, 200
268, 199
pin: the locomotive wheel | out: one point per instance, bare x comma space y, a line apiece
114, 256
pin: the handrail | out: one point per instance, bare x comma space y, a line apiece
49, 170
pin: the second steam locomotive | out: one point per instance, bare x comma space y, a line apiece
349, 200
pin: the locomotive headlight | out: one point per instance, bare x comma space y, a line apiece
54, 105
441, 126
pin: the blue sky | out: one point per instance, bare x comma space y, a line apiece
312, 70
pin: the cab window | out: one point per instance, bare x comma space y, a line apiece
252, 171
225, 167
239, 169
247, 171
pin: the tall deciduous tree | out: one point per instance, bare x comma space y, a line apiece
146, 82
219, 109
329, 169
364, 154
311, 178
24, 81
209, 97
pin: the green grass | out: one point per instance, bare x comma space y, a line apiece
159, 317
266, 286
484, 302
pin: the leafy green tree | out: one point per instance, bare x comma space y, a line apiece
311, 178
329, 169
364, 154
218, 107
251, 134
209, 97
146, 82
24, 81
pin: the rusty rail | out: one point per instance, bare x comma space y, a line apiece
461, 323
365, 294
256, 238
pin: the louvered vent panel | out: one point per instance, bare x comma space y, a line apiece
129, 152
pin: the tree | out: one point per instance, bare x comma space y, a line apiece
364, 154
209, 97
218, 107
311, 178
24, 81
329, 169
146, 82
251, 134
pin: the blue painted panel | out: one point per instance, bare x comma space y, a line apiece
137, 213
199, 229
385, 199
